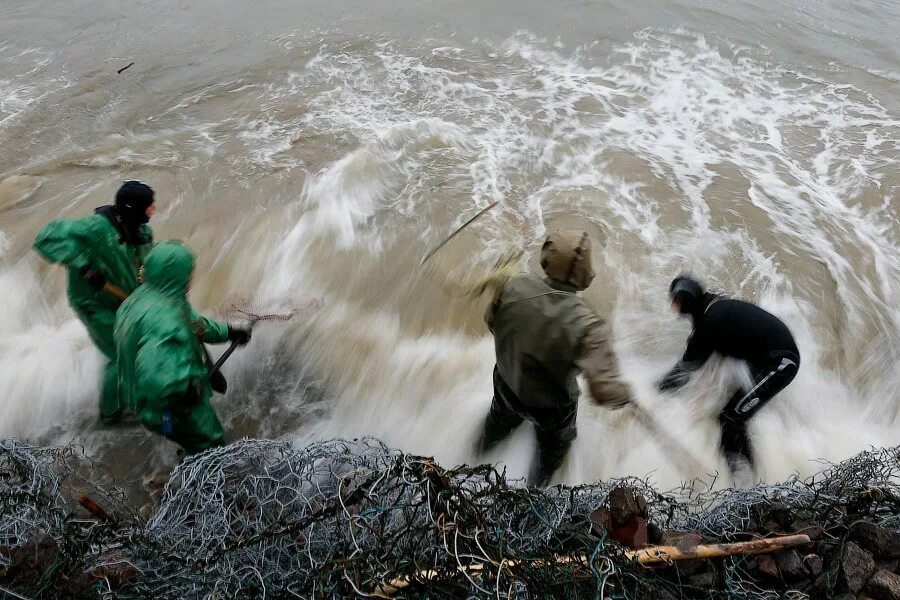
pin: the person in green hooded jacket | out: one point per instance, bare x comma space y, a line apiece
103, 253
162, 364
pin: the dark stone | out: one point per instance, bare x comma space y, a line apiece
767, 566
884, 543
884, 585
654, 533
623, 506
654, 593
773, 526
887, 565
689, 567
707, 580
642, 506
790, 565
601, 522
819, 585
814, 564
857, 566
633, 534
782, 515
683, 540
116, 574
814, 532
28, 562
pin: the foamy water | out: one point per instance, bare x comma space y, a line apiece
328, 165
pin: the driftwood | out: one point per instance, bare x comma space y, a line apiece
662, 554
652, 555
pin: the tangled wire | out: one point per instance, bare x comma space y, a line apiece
338, 519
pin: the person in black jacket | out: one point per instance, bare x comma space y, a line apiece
740, 330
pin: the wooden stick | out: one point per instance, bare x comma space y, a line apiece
653, 555
662, 554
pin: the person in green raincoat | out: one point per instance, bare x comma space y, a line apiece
104, 254
163, 367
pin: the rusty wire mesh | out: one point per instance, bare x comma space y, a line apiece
338, 519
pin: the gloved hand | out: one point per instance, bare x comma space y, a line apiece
94, 277
192, 395
239, 335
218, 382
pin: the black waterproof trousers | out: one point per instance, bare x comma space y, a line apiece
555, 428
769, 377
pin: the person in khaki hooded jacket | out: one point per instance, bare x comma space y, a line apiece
544, 334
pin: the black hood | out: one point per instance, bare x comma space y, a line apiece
132, 200
128, 234
689, 293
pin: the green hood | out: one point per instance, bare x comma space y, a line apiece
158, 339
168, 268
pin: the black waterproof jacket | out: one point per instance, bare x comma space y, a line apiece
732, 328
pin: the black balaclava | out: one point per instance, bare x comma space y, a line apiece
689, 292
132, 201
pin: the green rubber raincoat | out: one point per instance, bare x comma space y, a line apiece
161, 361
96, 242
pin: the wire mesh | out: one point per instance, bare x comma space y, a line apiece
338, 519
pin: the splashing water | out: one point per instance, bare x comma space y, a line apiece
329, 168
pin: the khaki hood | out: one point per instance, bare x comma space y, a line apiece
566, 258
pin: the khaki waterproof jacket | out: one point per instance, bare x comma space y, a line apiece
544, 334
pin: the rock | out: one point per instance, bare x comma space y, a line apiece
773, 526
884, 585
642, 506
633, 534
767, 566
887, 565
884, 543
601, 522
147, 511
683, 540
814, 532
116, 572
857, 566
654, 594
790, 565
820, 583
654, 533
28, 562
814, 564
708, 580
782, 515
623, 506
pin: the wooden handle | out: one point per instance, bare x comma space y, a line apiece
664, 554
644, 556
115, 291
